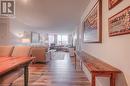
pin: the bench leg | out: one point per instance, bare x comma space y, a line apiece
26, 75
75, 62
81, 66
93, 83
112, 79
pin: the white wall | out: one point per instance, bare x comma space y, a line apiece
113, 50
10, 28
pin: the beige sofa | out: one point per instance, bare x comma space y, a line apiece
40, 54
6, 51
20, 51
16, 51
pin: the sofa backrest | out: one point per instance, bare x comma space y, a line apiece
20, 51
38, 51
6, 51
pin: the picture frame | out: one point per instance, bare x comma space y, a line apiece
92, 25
113, 3
27, 34
119, 24
35, 37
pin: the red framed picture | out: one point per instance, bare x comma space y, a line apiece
119, 24
113, 3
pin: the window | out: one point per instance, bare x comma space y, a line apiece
59, 40
62, 39
51, 39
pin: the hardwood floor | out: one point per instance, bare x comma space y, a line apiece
58, 72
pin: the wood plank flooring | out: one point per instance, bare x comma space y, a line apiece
55, 73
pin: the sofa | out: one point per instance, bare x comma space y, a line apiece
40, 53
6, 51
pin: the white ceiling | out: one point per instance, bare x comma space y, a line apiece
53, 16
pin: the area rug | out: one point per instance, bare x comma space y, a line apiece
58, 56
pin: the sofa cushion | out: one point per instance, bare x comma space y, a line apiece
6, 51
20, 51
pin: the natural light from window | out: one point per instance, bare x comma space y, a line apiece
62, 39
51, 39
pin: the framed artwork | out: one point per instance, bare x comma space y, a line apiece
35, 37
27, 34
119, 24
92, 25
113, 3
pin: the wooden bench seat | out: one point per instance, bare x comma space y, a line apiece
98, 68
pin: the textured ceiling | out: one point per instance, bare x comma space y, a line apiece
54, 16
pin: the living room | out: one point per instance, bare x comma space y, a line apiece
64, 42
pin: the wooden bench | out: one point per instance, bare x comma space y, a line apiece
97, 68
